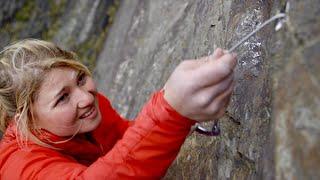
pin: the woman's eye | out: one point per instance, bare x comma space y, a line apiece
63, 98
81, 79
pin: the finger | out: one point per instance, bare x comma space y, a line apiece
208, 94
219, 102
228, 99
225, 106
216, 54
221, 112
209, 115
198, 62
229, 60
226, 93
215, 71
222, 87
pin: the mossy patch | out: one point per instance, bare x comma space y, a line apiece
24, 13
90, 49
20, 21
56, 11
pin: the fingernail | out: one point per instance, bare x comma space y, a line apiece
216, 51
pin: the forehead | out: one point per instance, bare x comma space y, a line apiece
58, 76
55, 80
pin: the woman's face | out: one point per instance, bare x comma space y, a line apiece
67, 103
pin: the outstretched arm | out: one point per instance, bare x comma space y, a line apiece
145, 151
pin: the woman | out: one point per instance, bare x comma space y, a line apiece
57, 126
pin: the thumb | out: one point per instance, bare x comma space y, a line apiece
214, 71
216, 54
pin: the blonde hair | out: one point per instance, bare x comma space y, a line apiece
22, 69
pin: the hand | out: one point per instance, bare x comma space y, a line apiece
201, 89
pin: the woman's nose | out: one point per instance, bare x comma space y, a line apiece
84, 98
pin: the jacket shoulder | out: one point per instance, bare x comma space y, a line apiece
26, 162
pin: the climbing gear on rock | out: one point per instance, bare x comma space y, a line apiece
215, 130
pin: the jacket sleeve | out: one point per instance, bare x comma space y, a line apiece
145, 151
148, 147
112, 126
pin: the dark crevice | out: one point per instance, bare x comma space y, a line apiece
232, 118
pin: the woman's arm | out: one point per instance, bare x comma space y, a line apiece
148, 147
145, 151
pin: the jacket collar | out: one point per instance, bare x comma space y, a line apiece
81, 147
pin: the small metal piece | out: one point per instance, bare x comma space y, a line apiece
215, 131
280, 22
279, 25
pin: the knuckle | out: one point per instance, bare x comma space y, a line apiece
225, 68
223, 86
216, 107
202, 100
212, 110
221, 113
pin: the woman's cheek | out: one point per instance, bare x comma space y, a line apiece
68, 117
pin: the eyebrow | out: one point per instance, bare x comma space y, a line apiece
54, 100
60, 92
65, 87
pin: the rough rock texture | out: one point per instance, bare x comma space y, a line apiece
296, 93
8, 9
271, 130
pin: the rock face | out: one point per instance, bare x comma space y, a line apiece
77, 25
272, 127
271, 130
296, 93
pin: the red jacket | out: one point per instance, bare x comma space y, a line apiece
117, 149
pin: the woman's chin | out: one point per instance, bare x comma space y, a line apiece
90, 125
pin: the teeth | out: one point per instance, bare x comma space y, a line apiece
87, 113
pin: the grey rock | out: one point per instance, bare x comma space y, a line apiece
150, 38
8, 9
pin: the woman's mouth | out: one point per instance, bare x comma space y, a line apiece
90, 114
